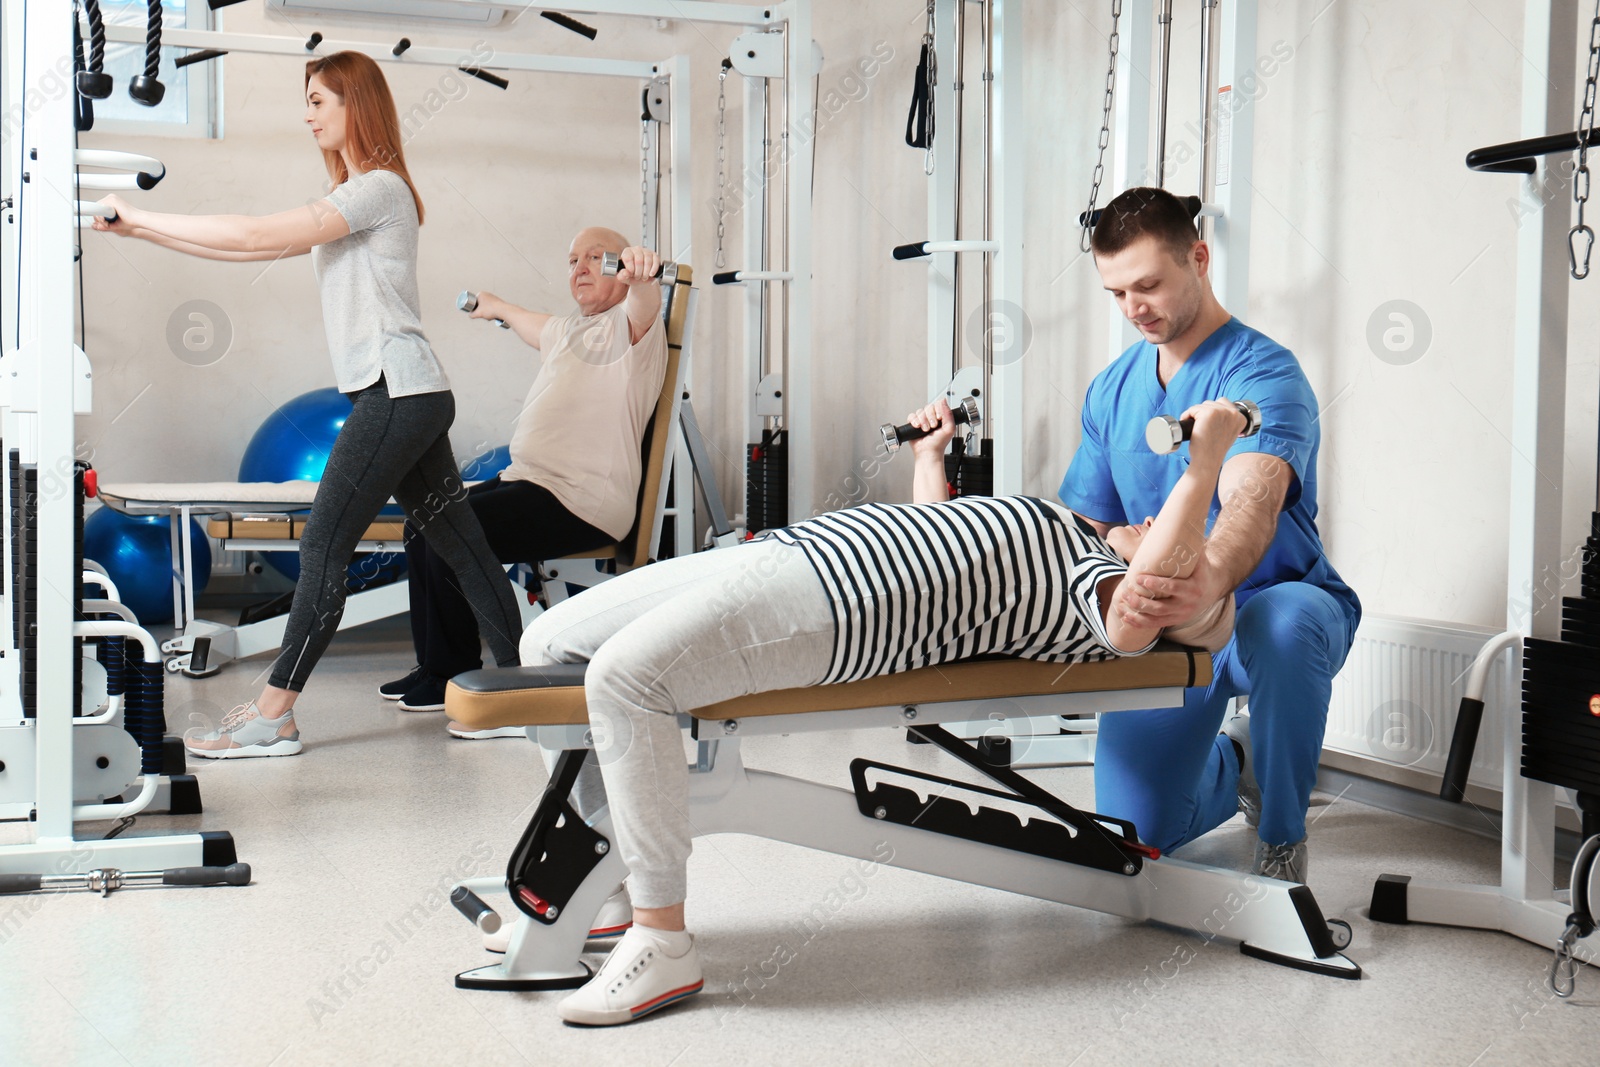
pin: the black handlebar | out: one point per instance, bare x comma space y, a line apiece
1516, 157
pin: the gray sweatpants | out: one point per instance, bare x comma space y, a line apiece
663, 640
398, 447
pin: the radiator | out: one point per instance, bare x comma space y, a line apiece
1394, 703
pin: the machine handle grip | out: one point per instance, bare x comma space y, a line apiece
727, 277
911, 251
20, 883
473, 907
232, 874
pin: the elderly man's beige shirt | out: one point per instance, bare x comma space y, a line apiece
580, 429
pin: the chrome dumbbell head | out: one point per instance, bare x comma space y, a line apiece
1164, 434
611, 266
468, 301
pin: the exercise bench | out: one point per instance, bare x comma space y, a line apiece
563, 869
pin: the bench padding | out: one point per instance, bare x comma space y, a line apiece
553, 696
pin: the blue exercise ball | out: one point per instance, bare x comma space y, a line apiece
292, 445
136, 551
486, 465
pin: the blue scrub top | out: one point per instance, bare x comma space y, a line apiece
1115, 478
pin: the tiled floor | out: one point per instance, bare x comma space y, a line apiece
307, 965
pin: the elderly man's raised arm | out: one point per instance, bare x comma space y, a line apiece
643, 303
528, 325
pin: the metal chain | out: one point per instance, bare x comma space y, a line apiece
1580, 179
933, 80
722, 163
1105, 124
644, 182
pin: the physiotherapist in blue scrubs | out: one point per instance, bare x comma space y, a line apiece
1169, 770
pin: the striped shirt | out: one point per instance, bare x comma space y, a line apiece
912, 585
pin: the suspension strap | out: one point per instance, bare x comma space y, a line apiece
919, 122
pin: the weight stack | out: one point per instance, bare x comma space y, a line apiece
766, 487
25, 575
1561, 689
970, 474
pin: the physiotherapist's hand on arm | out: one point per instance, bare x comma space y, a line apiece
928, 483
287, 233
637, 270
1252, 487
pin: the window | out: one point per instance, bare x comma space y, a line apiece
189, 108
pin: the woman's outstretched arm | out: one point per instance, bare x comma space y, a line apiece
290, 232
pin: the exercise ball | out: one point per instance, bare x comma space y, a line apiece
486, 465
292, 445
136, 551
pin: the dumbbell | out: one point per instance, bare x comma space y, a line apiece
1164, 433
611, 266
468, 301
894, 436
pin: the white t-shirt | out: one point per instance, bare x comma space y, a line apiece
368, 280
581, 427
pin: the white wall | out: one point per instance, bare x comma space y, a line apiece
1361, 198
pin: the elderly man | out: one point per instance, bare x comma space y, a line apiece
573, 481
1169, 771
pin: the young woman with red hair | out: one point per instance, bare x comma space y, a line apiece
363, 242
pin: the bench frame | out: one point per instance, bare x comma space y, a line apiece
1272, 920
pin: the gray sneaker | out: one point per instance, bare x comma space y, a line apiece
244, 733
1237, 729
1287, 863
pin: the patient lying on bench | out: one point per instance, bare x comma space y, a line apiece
871, 590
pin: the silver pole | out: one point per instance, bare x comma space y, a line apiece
960, 112
988, 233
765, 317
1163, 80
1209, 25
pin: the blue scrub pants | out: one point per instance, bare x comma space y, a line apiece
1170, 772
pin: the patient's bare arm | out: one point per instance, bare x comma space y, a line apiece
1171, 545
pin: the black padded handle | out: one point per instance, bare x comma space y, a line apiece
232, 874
912, 251
1462, 744
570, 23
727, 277
20, 883
483, 75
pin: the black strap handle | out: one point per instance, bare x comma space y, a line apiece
919, 121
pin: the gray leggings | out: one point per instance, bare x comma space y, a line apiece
398, 447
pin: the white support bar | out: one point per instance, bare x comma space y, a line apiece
797, 152
382, 51
1234, 132
1006, 321
742, 276
1130, 142
131, 162
687, 10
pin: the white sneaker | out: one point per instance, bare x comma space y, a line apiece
616, 916
244, 732
639, 977
468, 733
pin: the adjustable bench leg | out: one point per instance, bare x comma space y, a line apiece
542, 957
